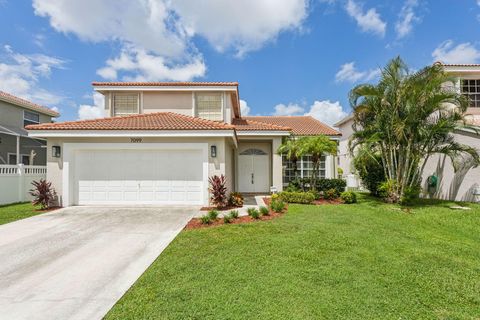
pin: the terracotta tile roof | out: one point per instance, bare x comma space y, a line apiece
165, 84
251, 125
150, 121
458, 64
301, 125
10, 98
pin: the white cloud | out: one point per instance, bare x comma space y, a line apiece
369, 21
139, 65
97, 110
244, 108
242, 25
406, 18
159, 33
288, 110
349, 73
326, 111
447, 52
20, 75
146, 24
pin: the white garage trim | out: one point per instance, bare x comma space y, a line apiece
69, 150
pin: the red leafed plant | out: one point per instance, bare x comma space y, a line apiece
218, 191
43, 193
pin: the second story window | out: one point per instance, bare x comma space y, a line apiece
471, 88
30, 118
209, 106
125, 104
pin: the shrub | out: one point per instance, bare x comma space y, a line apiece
277, 206
254, 213
218, 190
213, 214
234, 214
227, 218
236, 199
43, 193
297, 197
315, 193
370, 170
331, 194
387, 192
410, 194
327, 184
264, 211
205, 219
295, 185
349, 197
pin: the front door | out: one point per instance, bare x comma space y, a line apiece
253, 171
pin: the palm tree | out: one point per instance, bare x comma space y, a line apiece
406, 118
316, 147
290, 149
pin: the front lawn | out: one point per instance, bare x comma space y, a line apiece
17, 211
364, 261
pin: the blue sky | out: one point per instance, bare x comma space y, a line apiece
290, 56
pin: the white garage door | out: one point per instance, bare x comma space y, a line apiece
138, 177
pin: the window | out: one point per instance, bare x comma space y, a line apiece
471, 89
12, 159
209, 106
30, 118
304, 168
125, 104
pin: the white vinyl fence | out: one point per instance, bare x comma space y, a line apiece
16, 181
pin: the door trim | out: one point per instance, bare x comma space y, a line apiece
69, 150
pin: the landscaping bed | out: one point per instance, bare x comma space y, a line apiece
196, 223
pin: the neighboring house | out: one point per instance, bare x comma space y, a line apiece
160, 142
462, 184
15, 145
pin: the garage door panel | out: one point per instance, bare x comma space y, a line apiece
140, 176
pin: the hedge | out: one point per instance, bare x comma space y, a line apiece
297, 197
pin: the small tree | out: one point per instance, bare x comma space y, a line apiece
316, 147
43, 193
218, 190
290, 148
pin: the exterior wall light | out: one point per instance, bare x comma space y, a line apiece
213, 151
56, 151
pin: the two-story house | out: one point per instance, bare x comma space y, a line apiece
461, 184
15, 144
160, 142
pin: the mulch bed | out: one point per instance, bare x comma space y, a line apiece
219, 209
196, 223
48, 209
325, 201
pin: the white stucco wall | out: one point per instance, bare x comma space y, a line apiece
345, 160
453, 185
216, 166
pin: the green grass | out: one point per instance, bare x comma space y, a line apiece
17, 211
364, 261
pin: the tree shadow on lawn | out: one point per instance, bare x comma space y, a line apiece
365, 198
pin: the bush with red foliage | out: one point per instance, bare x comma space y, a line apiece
43, 193
218, 190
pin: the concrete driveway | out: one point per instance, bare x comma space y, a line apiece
75, 263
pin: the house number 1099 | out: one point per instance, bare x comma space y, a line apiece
135, 140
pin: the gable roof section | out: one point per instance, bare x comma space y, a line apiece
300, 125
150, 121
251, 125
10, 98
184, 85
